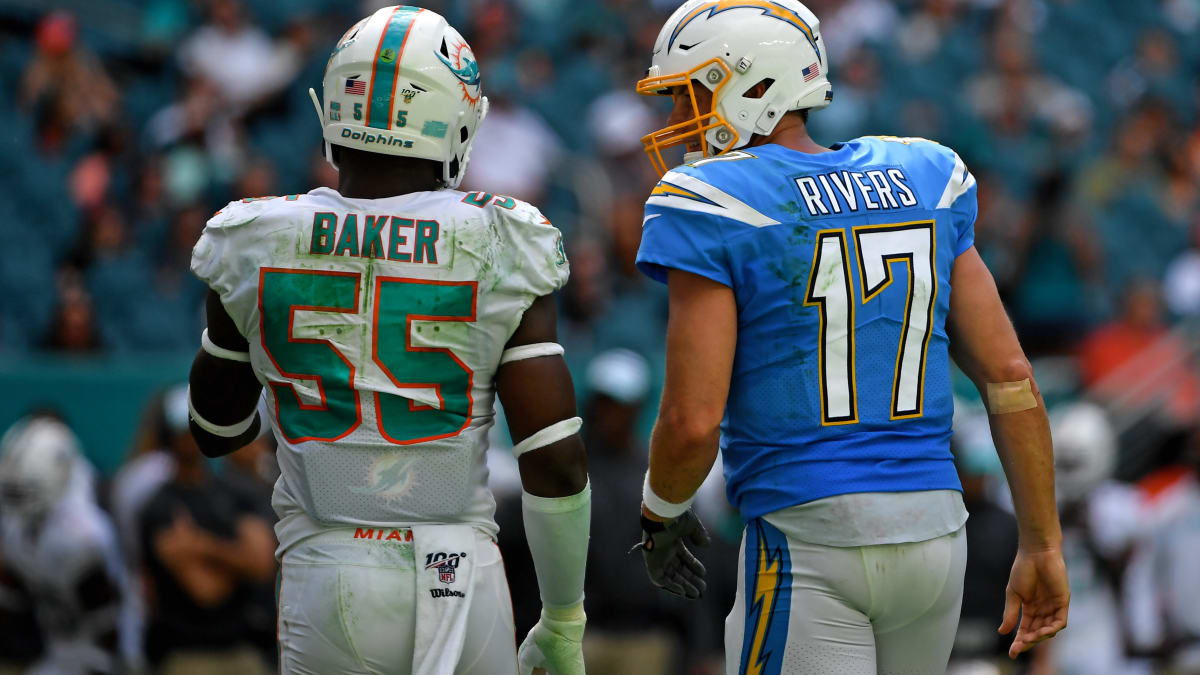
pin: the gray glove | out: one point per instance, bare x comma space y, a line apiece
670, 564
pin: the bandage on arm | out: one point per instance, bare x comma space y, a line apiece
557, 530
1005, 398
223, 390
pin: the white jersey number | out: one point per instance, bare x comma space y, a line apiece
831, 290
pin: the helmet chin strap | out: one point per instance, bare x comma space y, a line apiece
312, 93
454, 182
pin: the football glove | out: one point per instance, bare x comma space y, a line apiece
555, 643
670, 564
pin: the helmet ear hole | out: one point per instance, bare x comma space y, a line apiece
454, 167
759, 89
463, 135
445, 48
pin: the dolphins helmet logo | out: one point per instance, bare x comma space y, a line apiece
462, 64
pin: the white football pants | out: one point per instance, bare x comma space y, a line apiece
347, 605
821, 610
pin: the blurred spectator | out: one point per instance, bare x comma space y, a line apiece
1130, 161
1056, 262
1012, 95
257, 179
191, 116
238, 57
1136, 361
149, 466
857, 99
206, 546
616, 123
1181, 283
64, 86
55, 539
586, 296
92, 179
251, 472
514, 152
633, 628
73, 327
848, 25
1152, 69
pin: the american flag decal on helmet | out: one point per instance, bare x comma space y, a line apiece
356, 86
811, 73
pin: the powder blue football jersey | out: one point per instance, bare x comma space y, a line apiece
840, 263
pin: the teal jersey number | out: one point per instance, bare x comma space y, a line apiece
281, 294
398, 302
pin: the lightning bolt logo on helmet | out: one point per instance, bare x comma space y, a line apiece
771, 9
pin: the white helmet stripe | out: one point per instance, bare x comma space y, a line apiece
387, 66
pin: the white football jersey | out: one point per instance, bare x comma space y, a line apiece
376, 327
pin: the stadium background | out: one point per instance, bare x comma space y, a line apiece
126, 123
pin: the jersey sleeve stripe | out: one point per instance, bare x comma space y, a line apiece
961, 180
705, 199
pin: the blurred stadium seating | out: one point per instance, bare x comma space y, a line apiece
127, 122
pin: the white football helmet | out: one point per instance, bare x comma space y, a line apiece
1085, 450
37, 458
729, 47
403, 82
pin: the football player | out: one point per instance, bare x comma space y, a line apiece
62, 547
381, 319
812, 321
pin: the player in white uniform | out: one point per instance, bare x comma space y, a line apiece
58, 543
382, 319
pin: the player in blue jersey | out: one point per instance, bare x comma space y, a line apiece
816, 297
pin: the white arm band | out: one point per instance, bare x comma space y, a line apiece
557, 530
660, 506
213, 349
231, 431
531, 352
551, 434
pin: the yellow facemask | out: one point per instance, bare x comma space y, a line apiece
700, 124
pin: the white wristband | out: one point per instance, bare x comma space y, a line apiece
213, 349
531, 352
229, 431
662, 507
551, 434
